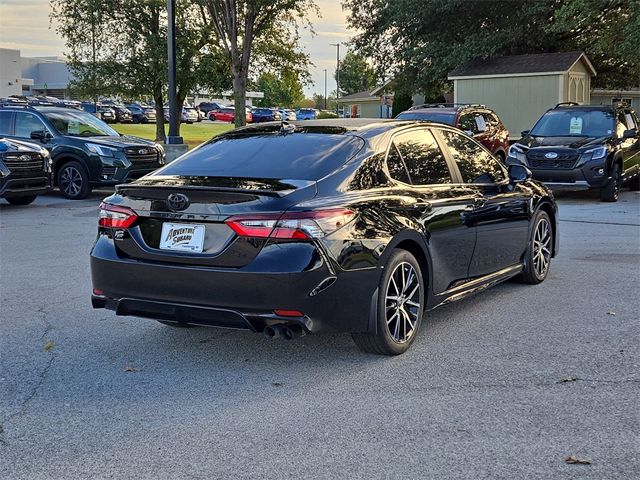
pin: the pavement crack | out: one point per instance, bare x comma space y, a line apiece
24, 404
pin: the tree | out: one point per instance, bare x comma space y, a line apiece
319, 102
128, 54
285, 90
356, 75
241, 24
422, 41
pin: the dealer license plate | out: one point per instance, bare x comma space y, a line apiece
182, 237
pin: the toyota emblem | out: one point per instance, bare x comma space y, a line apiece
551, 155
142, 151
178, 201
25, 158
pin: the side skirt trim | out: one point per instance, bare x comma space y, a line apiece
478, 284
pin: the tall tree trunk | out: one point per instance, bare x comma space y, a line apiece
157, 97
240, 96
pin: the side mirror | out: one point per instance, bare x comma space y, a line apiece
519, 174
524, 133
633, 133
41, 135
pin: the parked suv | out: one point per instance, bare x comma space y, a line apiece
141, 113
477, 121
25, 171
86, 152
583, 146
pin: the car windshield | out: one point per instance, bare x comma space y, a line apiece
299, 156
79, 124
574, 123
441, 117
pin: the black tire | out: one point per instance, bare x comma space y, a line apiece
26, 200
177, 324
634, 183
73, 181
611, 191
538, 257
403, 277
136, 120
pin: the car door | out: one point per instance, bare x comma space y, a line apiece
501, 211
630, 146
415, 159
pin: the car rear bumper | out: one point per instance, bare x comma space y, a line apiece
233, 298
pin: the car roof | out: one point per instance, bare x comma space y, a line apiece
604, 108
364, 127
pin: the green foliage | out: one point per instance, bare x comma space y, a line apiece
424, 40
356, 75
401, 102
282, 91
327, 114
319, 103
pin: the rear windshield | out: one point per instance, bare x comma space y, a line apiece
299, 156
441, 117
574, 123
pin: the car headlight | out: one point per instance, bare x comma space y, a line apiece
594, 154
516, 152
101, 150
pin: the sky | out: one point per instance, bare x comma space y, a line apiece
25, 25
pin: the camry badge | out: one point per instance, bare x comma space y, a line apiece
551, 155
178, 201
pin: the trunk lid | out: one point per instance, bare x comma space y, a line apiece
204, 203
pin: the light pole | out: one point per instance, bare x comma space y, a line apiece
174, 117
337, 45
325, 88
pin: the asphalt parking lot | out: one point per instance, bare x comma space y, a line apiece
506, 384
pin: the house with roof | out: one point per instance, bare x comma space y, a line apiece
367, 104
520, 88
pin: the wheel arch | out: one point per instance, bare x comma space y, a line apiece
546, 206
61, 160
411, 241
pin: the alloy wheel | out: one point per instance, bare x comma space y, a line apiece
542, 247
402, 302
70, 181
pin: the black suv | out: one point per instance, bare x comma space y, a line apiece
86, 152
141, 113
583, 146
25, 171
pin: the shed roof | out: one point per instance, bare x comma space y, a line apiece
537, 63
365, 95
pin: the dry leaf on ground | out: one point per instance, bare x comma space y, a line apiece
572, 459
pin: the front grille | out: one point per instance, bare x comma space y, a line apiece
566, 159
138, 155
19, 164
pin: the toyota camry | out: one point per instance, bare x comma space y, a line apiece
348, 225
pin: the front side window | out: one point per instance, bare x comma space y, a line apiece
621, 124
476, 165
27, 123
422, 156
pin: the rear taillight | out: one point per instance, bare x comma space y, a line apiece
113, 216
291, 225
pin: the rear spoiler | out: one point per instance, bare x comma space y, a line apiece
266, 187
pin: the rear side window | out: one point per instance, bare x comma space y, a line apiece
397, 168
631, 123
296, 156
422, 156
5, 123
476, 165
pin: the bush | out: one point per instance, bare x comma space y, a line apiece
326, 114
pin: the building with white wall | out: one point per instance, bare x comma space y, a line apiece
33, 75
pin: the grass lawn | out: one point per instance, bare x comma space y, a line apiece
193, 134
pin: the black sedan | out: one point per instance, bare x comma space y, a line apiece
357, 226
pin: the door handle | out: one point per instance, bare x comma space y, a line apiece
422, 204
